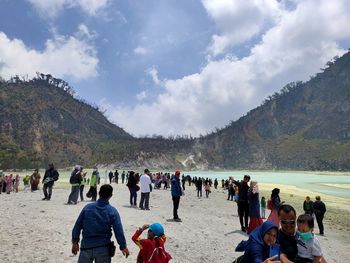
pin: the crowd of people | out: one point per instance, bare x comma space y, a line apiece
283, 237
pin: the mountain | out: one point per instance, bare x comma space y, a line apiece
306, 126
42, 122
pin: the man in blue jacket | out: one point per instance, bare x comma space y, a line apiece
97, 220
176, 193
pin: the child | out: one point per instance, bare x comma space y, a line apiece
309, 249
26, 183
152, 248
263, 207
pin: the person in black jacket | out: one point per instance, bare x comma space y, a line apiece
243, 204
319, 210
51, 175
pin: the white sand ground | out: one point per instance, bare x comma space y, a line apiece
32, 230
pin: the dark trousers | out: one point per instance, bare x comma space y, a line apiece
93, 193
144, 202
133, 197
176, 202
81, 190
74, 194
319, 219
199, 192
47, 188
243, 211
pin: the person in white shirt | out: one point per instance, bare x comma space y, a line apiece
145, 182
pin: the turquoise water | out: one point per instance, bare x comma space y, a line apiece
305, 180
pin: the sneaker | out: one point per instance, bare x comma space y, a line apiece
44, 198
177, 220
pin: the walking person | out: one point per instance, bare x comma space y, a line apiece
216, 183
110, 175
51, 175
96, 221
145, 182
176, 193
243, 203
319, 210
123, 177
183, 181
207, 189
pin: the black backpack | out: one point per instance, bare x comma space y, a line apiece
75, 177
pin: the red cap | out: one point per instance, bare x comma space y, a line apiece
177, 172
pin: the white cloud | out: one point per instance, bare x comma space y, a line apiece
238, 21
141, 96
140, 51
153, 72
52, 8
62, 56
292, 48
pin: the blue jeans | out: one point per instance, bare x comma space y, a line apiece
133, 197
99, 255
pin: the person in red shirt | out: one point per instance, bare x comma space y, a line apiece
151, 248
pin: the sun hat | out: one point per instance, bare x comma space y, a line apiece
157, 229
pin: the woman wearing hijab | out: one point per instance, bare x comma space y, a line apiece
274, 203
257, 247
254, 207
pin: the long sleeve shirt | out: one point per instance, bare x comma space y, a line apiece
96, 221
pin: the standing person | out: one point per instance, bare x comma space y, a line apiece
151, 248
183, 181
274, 204
199, 185
16, 184
176, 193
216, 183
145, 182
110, 175
243, 204
93, 185
9, 183
263, 207
254, 207
96, 221
116, 176
123, 177
35, 180
75, 180
133, 187
26, 180
1, 180
308, 206
231, 192
82, 185
319, 210
51, 175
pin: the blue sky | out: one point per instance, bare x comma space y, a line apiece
172, 67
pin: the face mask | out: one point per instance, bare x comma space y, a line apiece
304, 236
